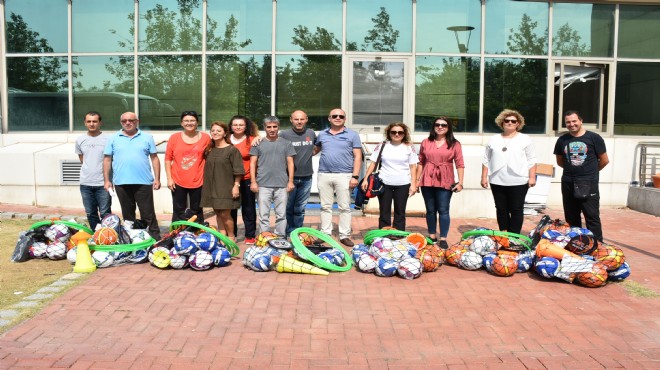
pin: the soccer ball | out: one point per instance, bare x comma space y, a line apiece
138, 235
139, 256
483, 245
547, 266
487, 261
470, 260
102, 259
159, 257
120, 258
504, 265
105, 236
612, 257
430, 258
56, 250
524, 262
112, 221
359, 250
201, 260
453, 254
261, 262
263, 238
57, 232
279, 244
71, 255
186, 244
207, 242
334, 256
38, 250
306, 239
178, 261
410, 268
221, 257
619, 274
386, 267
595, 278
366, 263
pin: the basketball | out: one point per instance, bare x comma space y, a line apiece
595, 278
386, 267
105, 236
453, 254
178, 261
57, 232
581, 241
38, 250
470, 260
366, 263
221, 257
430, 258
264, 237
504, 265
159, 257
102, 259
612, 257
200, 261
409, 268
207, 241
185, 244
619, 274
306, 239
547, 266
56, 250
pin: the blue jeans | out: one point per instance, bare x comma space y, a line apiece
97, 203
437, 202
295, 206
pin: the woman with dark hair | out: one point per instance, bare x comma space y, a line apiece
397, 171
243, 131
184, 166
222, 178
438, 155
509, 166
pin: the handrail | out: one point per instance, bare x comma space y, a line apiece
639, 170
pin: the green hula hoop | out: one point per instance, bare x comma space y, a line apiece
73, 225
124, 247
311, 257
230, 244
521, 239
379, 233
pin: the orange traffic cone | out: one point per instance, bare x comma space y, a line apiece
289, 264
84, 262
545, 248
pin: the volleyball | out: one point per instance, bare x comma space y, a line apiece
264, 237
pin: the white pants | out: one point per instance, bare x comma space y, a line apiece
265, 198
331, 184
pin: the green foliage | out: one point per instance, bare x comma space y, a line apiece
567, 43
382, 37
526, 41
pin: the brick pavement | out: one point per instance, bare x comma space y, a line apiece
139, 317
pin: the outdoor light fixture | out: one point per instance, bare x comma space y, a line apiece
463, 48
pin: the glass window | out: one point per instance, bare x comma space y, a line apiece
516, 27
170, 25
102, 26
518, 84
377, 93
38, 96
636, 104
296, 30
583, 30
103, 84
311, 83
237, 85
448, 26
246, 25
446, 86
32, 31
385, 25
639, 31
169, 85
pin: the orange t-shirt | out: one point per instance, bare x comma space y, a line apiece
244, 147
187, 160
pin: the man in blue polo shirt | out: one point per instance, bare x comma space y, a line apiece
339, 169
128, 153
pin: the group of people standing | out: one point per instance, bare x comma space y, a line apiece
233, 167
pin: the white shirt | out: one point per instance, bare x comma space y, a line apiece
395, 163
510, 167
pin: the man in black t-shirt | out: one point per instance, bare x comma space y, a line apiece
582, 154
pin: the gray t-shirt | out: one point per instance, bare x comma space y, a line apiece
91, 148
271, 162
303, 143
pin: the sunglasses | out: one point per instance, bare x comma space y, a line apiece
510, 121
128, 120
335, 116
396, 132
441, 125
189, 113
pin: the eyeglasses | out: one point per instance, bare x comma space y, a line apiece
129, 120
441, 125
189, 113
396, 132
510, 121
335, 116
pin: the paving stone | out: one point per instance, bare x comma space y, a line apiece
22, 216
72, 276
6, 215
26, 304
4, 322
38, 216
8, 313
50, 289
38, 297
61, 282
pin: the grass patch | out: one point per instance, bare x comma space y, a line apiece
636, 289
19, 280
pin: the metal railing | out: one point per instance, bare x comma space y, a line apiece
649, 163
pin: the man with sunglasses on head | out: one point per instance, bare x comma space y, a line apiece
339, 170
128, 154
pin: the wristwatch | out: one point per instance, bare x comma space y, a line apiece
355, 177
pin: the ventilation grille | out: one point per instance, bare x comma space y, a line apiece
70, 172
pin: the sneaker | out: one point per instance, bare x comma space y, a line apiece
443, 244
250, 241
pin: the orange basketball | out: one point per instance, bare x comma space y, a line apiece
105, 236
431, 258
612, 257
416, 239
595, 278
306, 239
504, 265
453, 254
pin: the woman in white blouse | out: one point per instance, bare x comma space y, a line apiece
509, 165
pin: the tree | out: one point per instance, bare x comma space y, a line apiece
567, 43
382, 37
525, 40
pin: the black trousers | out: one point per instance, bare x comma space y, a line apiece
399, 196
180, 197
589, 207
142, 196
248, 211
509, 205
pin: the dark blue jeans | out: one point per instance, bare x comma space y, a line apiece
437, 203
297, 202
97, 203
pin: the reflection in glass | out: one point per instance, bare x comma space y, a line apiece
247, 23
446, 86
385, 25
170, 25
639, 31
237, 85
96, 88
38, 94
581, 91
636, 105
592, 35
102, 26
169, 85
433, 18
518, 84
36, 31
515, 27
377, 93
311, 83
296, 30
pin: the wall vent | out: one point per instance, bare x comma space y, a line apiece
70, 172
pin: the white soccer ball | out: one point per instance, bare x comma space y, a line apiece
57, 232
410, 268
201, 260
139, 256
56, 250
71, 255
178, 261
221, 257
38, 250
483, 245
366, 262
102, 259
470, 260
138, 235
